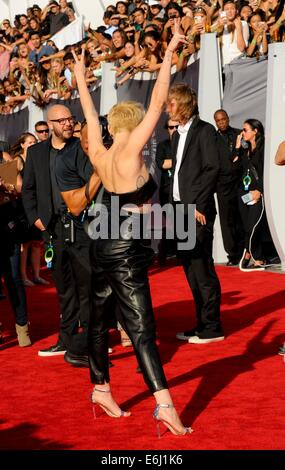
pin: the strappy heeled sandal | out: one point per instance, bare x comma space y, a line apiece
171, 428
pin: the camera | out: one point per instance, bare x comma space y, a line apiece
172, 16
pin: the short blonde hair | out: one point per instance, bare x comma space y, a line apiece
125, 115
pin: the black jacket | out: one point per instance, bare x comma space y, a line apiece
37, 188
252, 163
199, 166
228, 173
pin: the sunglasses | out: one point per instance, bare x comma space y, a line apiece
245, 130
42, 131
172, 127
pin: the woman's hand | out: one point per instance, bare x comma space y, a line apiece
256, 195
196, 29
177, 37
238, 23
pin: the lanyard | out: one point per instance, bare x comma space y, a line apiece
49, 254
246, 181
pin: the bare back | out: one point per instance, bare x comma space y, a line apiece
120, 169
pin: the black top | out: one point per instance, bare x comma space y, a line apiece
73, 169
57, 22
252, 163
125, 219
229, 136
59, 206
139, 196
226, 142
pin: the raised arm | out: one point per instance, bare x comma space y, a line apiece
95, 141
144, 130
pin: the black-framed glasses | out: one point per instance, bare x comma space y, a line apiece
245, 130
42, 131
172, 127
63, 121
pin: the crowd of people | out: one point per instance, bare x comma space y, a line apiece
134, 36
102, 283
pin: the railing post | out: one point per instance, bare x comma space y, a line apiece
274, 176
209, 100
108, 91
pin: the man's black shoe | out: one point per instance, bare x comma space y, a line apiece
57, 350
76, 361
185, 335
232, 262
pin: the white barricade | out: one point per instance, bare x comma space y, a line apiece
72, 33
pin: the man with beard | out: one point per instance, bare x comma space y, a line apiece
65, 237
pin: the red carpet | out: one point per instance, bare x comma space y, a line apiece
231, 392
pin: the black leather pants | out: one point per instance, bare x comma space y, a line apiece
120, 266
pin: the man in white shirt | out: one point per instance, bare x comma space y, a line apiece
235, 33
196, 167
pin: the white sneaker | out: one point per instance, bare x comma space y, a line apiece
197, 340
110, 350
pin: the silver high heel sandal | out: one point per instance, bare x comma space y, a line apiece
166, 423
105, 408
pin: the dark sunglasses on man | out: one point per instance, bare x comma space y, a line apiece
42, 131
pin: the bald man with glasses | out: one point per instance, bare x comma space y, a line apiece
46, 210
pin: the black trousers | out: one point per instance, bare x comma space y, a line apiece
121, 266
165, 247
251, 217
72, 277
200, 272
230, 220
